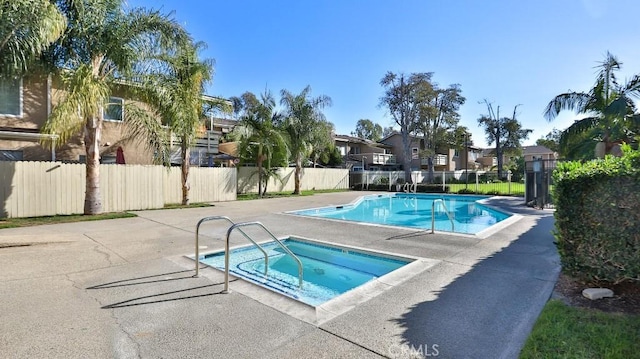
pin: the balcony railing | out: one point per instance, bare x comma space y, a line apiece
438, 160
376, 158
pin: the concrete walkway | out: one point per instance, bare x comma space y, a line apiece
123, 289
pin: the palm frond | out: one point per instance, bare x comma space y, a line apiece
143, 127
632, 87
573, 101
27, 28
83, 102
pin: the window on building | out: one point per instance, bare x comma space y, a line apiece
10, 96
114, 110
107, 159
414, 153
10, 155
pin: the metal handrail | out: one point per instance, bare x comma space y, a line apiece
433, 213
410, 187
226, 249
205, 219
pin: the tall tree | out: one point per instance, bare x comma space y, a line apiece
259, 137
437, 116
174, 90
505, 132
321, 139
387, 131
551, 140
459, 138
609, 110
303, 115
403, 97
27, 27
369, 130
102, 46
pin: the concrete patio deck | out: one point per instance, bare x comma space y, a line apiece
123, 289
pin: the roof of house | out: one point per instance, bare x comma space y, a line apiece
363, 141
536, 150
223, 122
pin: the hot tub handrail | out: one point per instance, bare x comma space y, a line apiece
212, 218
259, 224
433, 214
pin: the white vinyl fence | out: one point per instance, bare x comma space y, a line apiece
477, 181
30, 189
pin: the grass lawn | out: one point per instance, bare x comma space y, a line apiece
35, 221
517, 188
567, 332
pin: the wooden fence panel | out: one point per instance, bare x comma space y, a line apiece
48, 188
131, 187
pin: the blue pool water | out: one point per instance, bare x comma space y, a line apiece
328, 271
414, 211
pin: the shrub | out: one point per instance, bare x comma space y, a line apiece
466, 191
598, 218
377, 187
432, 188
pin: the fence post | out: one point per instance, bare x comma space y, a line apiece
444, 180
477, 182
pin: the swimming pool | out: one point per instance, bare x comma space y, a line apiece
328, 270
414, 211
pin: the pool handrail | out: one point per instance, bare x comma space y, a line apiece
226, 251
410, 187
433, 214
197, 256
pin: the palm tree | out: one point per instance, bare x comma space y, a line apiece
174, 91
27, 27
259, 136
102, 46
609, 110
303, 115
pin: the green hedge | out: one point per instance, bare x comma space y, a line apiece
432, 188
597, 216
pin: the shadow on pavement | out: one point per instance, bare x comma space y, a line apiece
490, 310
127, 282
134, 301
155, 298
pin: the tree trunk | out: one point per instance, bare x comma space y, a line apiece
92, 132
298, 174
186, 157
260, 159
406, 163
498, 135
499, 154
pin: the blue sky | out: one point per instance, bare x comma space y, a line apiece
509, 52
